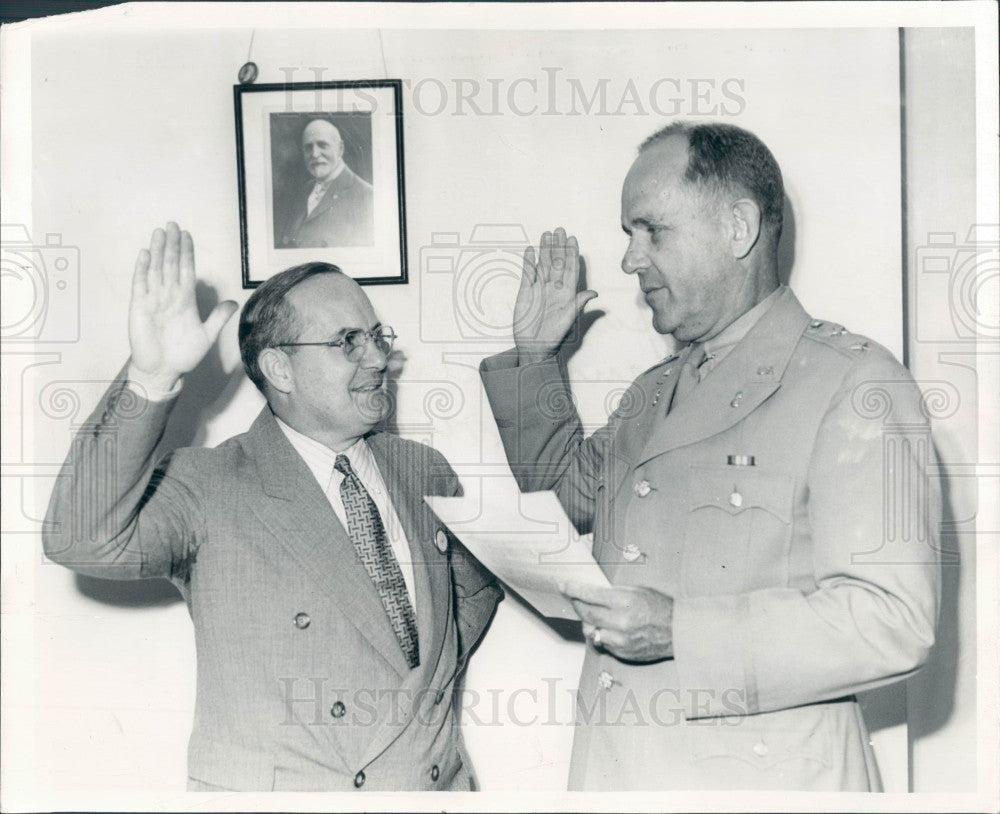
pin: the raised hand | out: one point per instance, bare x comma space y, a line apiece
547, 302
166, 334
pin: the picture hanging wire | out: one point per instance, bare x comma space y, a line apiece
381, 48
248, 73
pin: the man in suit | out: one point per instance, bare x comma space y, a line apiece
333, 613
336, 208
759, 501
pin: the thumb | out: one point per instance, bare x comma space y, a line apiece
219, 317
583, 297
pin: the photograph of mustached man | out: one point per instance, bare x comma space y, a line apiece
321, 167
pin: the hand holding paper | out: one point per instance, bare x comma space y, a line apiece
635, 623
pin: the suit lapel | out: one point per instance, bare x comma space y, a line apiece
301, 519
744, 380
405, 482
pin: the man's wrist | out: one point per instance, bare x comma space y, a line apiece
153, 386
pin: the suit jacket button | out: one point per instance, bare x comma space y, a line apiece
441, 541
642, 488
606, 680
435, 773
359, 780
760, 749
302, 620
338, 709
631, 552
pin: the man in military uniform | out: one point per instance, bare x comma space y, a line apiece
768, 559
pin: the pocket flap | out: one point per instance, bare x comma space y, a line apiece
735, 489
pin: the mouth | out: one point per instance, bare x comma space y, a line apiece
370, 387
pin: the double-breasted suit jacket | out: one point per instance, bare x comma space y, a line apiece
302, 684
785, 505
343, 217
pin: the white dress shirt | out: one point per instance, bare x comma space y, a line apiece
320, 460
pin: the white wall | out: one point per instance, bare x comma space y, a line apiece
132, 127
941, 202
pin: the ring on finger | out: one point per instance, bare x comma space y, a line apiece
596, 639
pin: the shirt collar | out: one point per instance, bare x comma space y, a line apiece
320, 458
739, 328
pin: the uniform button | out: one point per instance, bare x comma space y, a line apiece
736, 499
441, 541
760, 749
642, 488
359, 780
435, 773
631, 552
302, 620
338, 709
605, 679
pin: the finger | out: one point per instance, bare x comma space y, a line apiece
594, 615
590, 594
528, 272
171, 254
156, 243
140, 283
584, 297
186, 276
218, 318
559, 249
545, 256
572, 255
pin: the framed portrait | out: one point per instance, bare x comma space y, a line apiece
320, 172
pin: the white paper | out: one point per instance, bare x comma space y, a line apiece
525, 539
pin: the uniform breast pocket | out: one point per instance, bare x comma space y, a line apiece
738, 530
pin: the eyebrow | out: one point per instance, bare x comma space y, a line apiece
344, 331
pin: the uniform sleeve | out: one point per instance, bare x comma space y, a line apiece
542, 434
114, 512
874, 510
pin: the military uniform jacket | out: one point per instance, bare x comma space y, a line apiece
302, 684
785, 505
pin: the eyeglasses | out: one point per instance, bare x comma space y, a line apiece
353, 342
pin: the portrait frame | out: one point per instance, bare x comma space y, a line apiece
290, 213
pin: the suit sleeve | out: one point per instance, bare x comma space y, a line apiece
873, 513
477, 592
542, 434
114, 512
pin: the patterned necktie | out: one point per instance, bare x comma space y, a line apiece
368, 535
689, 377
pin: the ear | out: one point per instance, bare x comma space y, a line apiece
745, 225
277, 369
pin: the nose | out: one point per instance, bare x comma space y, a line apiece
635, 258
374, 357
